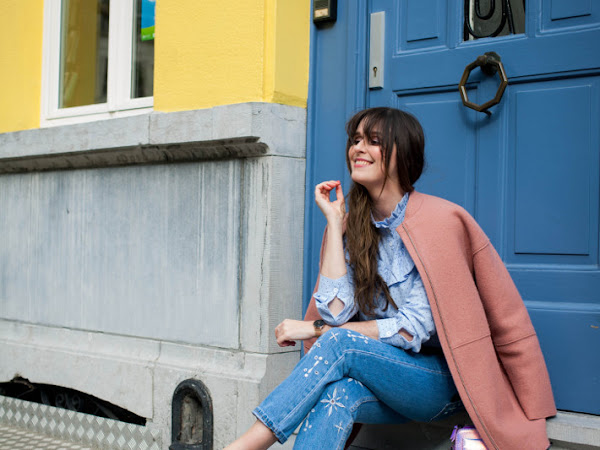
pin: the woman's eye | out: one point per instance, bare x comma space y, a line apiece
375, 142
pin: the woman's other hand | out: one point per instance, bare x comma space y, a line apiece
290, 330
333, 211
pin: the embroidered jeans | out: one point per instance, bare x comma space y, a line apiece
347, 378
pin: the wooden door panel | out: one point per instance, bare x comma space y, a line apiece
553, 173
451, 145
422, 24
561, 15
569, 335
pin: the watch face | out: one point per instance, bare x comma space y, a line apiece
318, 324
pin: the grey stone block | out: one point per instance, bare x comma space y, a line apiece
104, 134
229, 131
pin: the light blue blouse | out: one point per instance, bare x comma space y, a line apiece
398, 271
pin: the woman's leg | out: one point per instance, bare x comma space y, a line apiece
416, 386
344, 402
258, 437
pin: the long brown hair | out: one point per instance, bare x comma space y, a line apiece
397, 129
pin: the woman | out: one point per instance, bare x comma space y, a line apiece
417, 310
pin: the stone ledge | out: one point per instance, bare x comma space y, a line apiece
153, 154
574, 431
229, 131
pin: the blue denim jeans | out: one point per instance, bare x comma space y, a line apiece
348, 377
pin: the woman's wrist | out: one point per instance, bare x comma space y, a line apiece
320, 328
335, 226
324, 330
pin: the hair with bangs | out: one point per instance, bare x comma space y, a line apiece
395, 129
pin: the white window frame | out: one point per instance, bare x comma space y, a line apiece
119, 83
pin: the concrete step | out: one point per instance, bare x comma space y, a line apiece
567, 431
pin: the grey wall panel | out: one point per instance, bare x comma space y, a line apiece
271, 265
15, 270
147, 251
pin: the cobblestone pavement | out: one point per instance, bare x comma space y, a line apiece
12, 438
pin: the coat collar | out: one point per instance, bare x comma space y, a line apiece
415, 200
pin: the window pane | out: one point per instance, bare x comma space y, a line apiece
142, 69
491, 18
83, 52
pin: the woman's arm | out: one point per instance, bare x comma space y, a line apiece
368, 328
333, 262
291, 330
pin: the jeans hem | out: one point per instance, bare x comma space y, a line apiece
260, 415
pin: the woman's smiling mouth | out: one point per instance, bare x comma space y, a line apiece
359, 162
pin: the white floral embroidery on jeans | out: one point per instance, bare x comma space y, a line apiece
307, 425
332, 402
358, 336
350, 380
318, 359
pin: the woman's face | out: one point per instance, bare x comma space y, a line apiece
366, 160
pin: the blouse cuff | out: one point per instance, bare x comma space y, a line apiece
330, 289
387, 327
389, 334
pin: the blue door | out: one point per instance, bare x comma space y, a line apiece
529, 172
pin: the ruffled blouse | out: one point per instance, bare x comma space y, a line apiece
398, 271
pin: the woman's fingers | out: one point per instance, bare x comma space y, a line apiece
323, 189
335, 210
328, 185
290, 330
339, 193
282, 333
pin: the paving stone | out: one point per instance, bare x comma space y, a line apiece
13, 438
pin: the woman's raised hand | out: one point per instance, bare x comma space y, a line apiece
333, 211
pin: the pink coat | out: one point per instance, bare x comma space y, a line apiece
482, 324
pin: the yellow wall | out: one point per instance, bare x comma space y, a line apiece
21, 24
214, 52
292, 43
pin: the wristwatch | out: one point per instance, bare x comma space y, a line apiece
319, 325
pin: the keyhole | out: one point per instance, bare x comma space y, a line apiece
375, 71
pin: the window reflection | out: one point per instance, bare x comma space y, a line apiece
142, 69
83, 52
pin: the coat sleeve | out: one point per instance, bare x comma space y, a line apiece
513, 334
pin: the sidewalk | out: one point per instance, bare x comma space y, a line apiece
13, 438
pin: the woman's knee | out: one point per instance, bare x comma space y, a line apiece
345, 394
